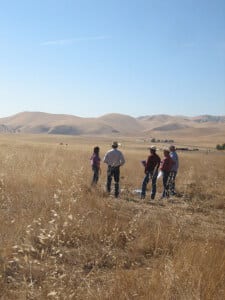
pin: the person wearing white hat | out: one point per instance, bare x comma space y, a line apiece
151, 172
114, 159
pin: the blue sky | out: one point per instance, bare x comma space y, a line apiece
92, 57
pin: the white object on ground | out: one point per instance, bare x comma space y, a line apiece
160, 174
137, 191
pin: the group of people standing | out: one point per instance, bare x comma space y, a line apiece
167, 167
154, 167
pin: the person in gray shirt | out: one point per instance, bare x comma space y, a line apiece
173, 172
114, 159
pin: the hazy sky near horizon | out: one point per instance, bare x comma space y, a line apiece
92, 57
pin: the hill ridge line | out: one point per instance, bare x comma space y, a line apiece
110, 124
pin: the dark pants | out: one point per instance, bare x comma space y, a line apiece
95, 170
166, 177
172, 178
153, 177
115, 173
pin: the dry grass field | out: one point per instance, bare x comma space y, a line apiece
62, 239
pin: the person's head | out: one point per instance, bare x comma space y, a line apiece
115, 145
96, 150
152, 149
166, 151
172, 148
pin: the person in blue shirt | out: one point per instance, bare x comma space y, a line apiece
174, 169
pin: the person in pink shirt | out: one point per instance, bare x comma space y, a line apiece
166, 166
95, 163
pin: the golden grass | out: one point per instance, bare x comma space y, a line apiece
61, 239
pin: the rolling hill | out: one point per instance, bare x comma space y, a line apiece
113, 124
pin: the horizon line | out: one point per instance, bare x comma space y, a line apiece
113, 113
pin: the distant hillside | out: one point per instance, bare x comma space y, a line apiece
209, 118
122, 123
38, 122
112, 124
170, 127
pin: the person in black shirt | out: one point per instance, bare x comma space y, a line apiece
151, 172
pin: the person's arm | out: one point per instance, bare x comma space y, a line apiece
122, 159
162, 165
99, 163
158, 164
105, 159
94, 161
99, 166
177, 161
148, 164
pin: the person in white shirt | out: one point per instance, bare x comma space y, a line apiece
114, 159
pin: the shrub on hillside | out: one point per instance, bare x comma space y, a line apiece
220, 147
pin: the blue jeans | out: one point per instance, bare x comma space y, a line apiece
95, 170
153, 177
166, 177
172, 178
115, 173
